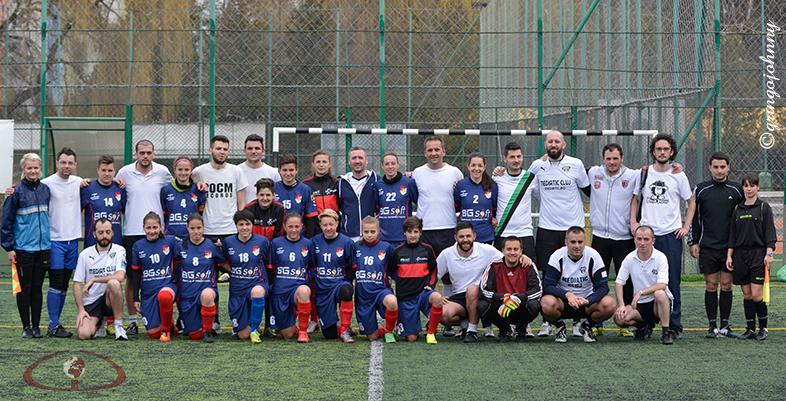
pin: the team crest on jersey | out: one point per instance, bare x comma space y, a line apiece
255, 250
596, 185
488, 194
654, 272
625, 183
298, 198
165, 249
402, 190
339, 252
583, 269
381, 255
566, 168
193, 197
208, 254
304, 251
117, 196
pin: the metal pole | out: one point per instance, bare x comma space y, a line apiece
541, 86
269, 67
676, 55
212, 78
717, 139
409, 65
200, 123
42, 99
381, 75
695, 121
129, 135
338, 59
573, 37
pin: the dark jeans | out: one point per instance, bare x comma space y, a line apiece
31, 268
615, 251
672, 247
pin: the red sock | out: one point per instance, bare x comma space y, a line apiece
314, 317
391, 317
345, 312
433, 319
110, 320
165, 306
303, 310
381, 332
208, 314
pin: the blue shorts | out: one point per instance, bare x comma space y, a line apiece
409, 313
149, 310
283, 309
64, 254
326, 305
366, 312
240, 309
191, 313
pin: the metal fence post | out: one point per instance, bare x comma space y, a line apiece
42, 98
212, 78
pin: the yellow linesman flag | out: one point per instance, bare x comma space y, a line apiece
16, 288
766, 284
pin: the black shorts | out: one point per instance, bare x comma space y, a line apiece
527, 244
216, 238
546, 242
460, 298
569, 312
748, 266
439, 239
128, 244
712, 261
647, 312
99, 308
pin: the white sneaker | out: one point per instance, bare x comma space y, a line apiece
528, 332
120, 333
216, 327
577, 328
312, 326
545, 330
488, 332
101, 330
223, 278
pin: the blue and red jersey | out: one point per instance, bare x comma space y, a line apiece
331, 260
395, 199
298, 199
177, 203
100, 201
289, 263
247, 262
154, 262
476, 206
198, 267
371, 269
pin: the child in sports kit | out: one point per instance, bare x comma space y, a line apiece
198, 291
332, 254
288, 266
181, 198
246, 254
413, 266
268, 214
372, 285
752, 240
476, 199
153, 274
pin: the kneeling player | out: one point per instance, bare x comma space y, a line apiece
198, 260
288, 267
152, 274
575, 287
648, 269
505, 284
246, 254
372, 285
413, 266
332, 255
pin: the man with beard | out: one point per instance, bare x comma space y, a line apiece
143, 181
357, 194
559, 182
662, 193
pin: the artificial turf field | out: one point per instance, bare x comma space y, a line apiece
614, 368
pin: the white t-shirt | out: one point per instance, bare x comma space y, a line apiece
559, 189
610, 201
255, 174
520, 223
221, 205
645, 273
143, 195
92, 263
65, 223
465, 271
577, 276
660, 207
435, 195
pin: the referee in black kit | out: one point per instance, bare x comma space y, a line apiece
709, 237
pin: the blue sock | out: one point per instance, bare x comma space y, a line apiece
257, 309
54, 305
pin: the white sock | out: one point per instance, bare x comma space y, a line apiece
472, 327
132, 318
118, 323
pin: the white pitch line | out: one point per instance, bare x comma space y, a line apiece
376, 378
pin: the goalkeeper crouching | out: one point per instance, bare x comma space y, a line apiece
510, 292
